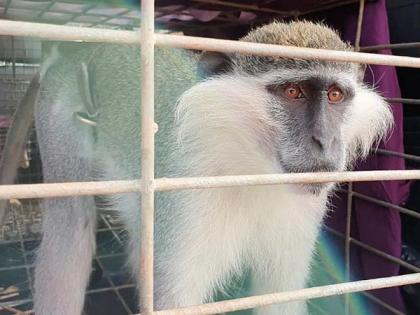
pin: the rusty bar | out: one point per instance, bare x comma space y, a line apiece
250, 7
390, 46
411, 157
409, 101
385, 204
384, 305
359, 25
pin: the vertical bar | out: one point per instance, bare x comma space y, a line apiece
359, 25
147, 156
13, 57
348, 229
348, 244
350, 187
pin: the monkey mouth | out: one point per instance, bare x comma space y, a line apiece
315, 189
314, 167
309, 167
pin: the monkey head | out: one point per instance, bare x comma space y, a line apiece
309, 115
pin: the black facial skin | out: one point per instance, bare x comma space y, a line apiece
309, 126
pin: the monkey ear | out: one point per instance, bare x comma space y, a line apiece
212, 63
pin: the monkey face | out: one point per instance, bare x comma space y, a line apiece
309, 110
289, 121
304, 115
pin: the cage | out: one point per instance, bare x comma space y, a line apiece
111, 290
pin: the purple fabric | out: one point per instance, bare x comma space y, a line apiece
374, 225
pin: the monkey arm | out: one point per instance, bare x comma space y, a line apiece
16, 139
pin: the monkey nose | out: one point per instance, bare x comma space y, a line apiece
321, 144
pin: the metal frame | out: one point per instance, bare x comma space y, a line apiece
147, 185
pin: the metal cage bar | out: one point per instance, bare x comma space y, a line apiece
290, 296
147, 156
26, 191
391, 46
350, 185
386, 204
72, 33
386, 306
347, 243
371, 297
375, 251
409, 101
410, 157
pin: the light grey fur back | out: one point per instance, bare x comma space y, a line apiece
114, 72
75, 151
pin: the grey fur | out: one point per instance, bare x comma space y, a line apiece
300, 33
74, 151
230, 124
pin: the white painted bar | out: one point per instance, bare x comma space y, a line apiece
147, 156
290, 296
29, 191
163, 184
25, 191
73, 33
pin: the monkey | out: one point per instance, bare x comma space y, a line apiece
238, 115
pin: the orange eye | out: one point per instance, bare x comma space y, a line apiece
335, 95
293, 91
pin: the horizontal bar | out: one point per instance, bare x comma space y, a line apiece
247, 48
73, 33
250, 7
290, 296
28, 191
68, 33
164, 184
391, 46
25, 191
383, 304
386, 256
334, 278
410, 157
318, 308
383, 203
332, 5
410, 101
375, 251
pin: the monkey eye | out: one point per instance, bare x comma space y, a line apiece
293, 91
335, 94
